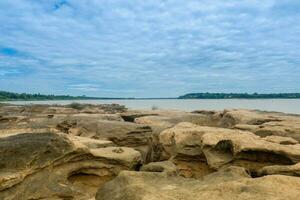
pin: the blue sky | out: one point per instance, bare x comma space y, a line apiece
157, 48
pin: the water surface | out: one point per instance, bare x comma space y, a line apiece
279, 105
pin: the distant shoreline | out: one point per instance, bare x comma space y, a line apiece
240, 96
137, 99
10, 96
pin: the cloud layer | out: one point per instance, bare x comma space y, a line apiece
149, 48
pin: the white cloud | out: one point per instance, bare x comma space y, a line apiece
122, 45
85, 87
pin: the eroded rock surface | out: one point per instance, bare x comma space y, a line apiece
51, 165
220, 147
120, 133
222, 186
289, 170
262, 123
71, 152
166, 167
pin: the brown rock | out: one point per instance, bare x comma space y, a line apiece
221, 186
182, 139
222, 146
166, 167
168, 118
120, 133
53, 166
289, 170
262, 123
281, 140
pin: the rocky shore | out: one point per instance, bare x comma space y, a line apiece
107, 152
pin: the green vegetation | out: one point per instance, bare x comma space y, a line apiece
240, 96
77, 106
10, 96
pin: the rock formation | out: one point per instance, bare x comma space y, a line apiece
51, 165
221, 186
73, 152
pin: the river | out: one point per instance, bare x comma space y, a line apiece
279, 105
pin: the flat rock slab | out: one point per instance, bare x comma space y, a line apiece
155, 186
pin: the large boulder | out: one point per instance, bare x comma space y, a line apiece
238, 116
182, 139
120, 133
262, 123
105, 123
57, 166
182, 145
220, 147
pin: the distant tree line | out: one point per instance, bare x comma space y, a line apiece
11, 96
208, 95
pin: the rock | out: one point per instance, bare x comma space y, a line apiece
107, 126
8, 119
233, 117
289, 170
270, 187
97, 116
57, 166
131, 115
167, 118
70, 152
165, 167
120, 133
182, 139
59, 110
157, 186
9, 109
288, 127
124, 156
281, 140
262, 123
93, 143
246, 127
222, 146
183, 144
55, 122
158, 121
226, 174
74, 108
20, 130
219, 147
191, 167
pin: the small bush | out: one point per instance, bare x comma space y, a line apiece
154, 107
76, 106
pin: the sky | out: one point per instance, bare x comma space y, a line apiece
157, 48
